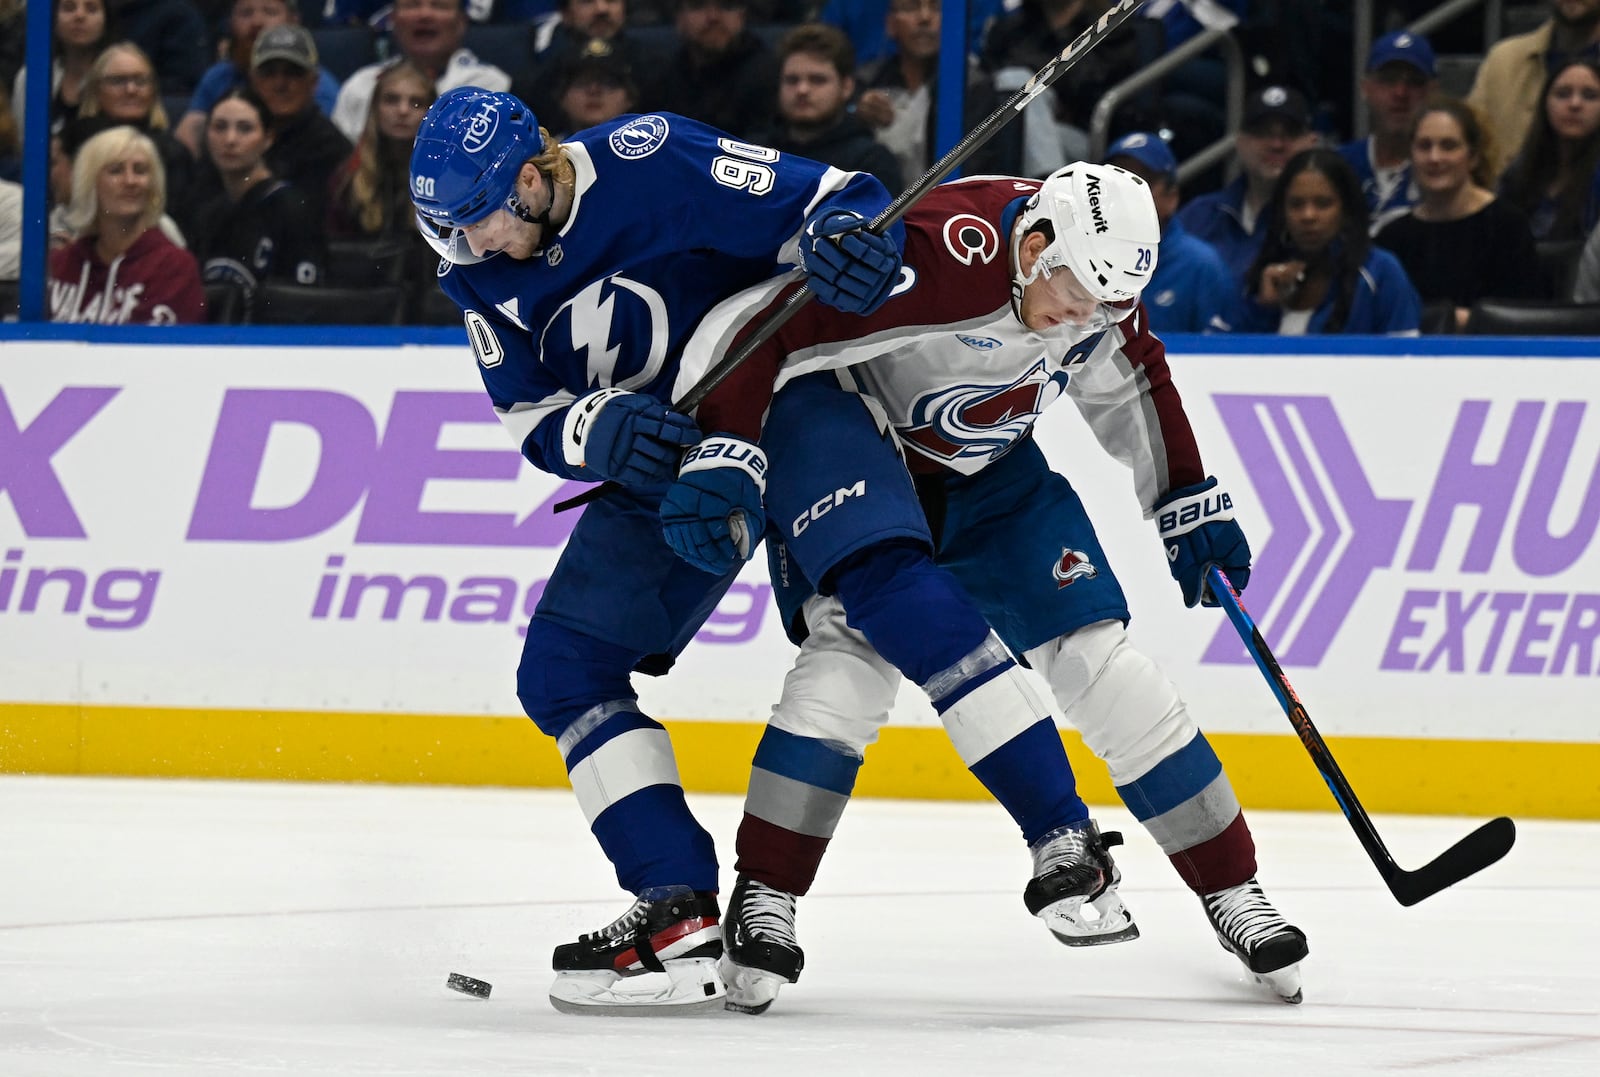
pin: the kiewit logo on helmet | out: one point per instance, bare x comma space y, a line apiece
1092, 186
481, 127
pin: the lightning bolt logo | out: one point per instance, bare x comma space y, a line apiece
591, 311
632, 314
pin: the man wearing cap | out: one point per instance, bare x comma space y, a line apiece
246, 21
597, 86
429, 33
723, 74
1506, 89
585, 26
1190, 284
307, 148
1276, 126
1400, 76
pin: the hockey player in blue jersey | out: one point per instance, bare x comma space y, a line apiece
581, 269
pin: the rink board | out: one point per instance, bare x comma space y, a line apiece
296, 560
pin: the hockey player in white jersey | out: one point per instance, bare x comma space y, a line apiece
581, 269
1013, 294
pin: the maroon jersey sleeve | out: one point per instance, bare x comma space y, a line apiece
956, 268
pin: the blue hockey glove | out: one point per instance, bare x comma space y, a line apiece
848, 267
1197, 529
712, 516
625, 437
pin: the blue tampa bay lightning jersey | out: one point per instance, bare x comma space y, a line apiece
668, 217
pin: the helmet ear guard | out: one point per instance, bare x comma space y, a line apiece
1105, 230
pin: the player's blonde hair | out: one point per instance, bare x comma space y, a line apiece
553, 160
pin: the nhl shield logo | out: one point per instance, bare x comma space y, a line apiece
1073, 565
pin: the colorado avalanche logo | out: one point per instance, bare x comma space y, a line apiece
977, 422
1073, 565
967, 238
639, 138
595, 326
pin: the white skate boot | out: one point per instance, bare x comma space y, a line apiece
1074, 887
670, 931
1252, 930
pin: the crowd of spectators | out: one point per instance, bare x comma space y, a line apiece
267, 140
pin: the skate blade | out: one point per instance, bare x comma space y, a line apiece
750, 990
1070, 920
1285, 983
688, 987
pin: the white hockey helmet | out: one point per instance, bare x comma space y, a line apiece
1106, 230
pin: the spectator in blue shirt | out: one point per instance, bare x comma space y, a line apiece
1400, 77
1276, 125
246, 20
1317, 271
1190, 285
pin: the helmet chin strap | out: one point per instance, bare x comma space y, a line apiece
1018, 280
520, 210
1017, 283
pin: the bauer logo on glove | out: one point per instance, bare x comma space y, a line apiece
1195, 511
1197, 529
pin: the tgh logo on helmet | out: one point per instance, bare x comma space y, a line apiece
481, 126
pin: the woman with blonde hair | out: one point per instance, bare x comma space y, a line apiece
121, 270
122, 88
370, 195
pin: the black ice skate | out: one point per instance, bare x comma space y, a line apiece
669, 929
760, 953
1074, 887
1252, 930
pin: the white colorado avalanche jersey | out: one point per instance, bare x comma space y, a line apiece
961, 378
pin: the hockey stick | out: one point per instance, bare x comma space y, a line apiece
975, 138
1470, 855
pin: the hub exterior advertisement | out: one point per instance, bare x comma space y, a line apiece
317, 562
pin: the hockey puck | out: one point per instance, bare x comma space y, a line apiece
468, 986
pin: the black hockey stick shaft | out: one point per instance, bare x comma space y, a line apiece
1470, 855
1114, 17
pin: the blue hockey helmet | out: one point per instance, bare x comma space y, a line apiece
468, 153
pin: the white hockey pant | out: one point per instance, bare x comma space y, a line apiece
840, 691
1127, 711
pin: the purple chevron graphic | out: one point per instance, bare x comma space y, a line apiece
1317, 497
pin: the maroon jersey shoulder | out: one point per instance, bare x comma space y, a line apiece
957, 247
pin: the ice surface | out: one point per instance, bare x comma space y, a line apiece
168, 927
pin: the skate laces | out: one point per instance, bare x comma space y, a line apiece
1244, 914
1067, 845
627, 925
769, 912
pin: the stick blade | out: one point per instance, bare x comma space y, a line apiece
1470, 855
